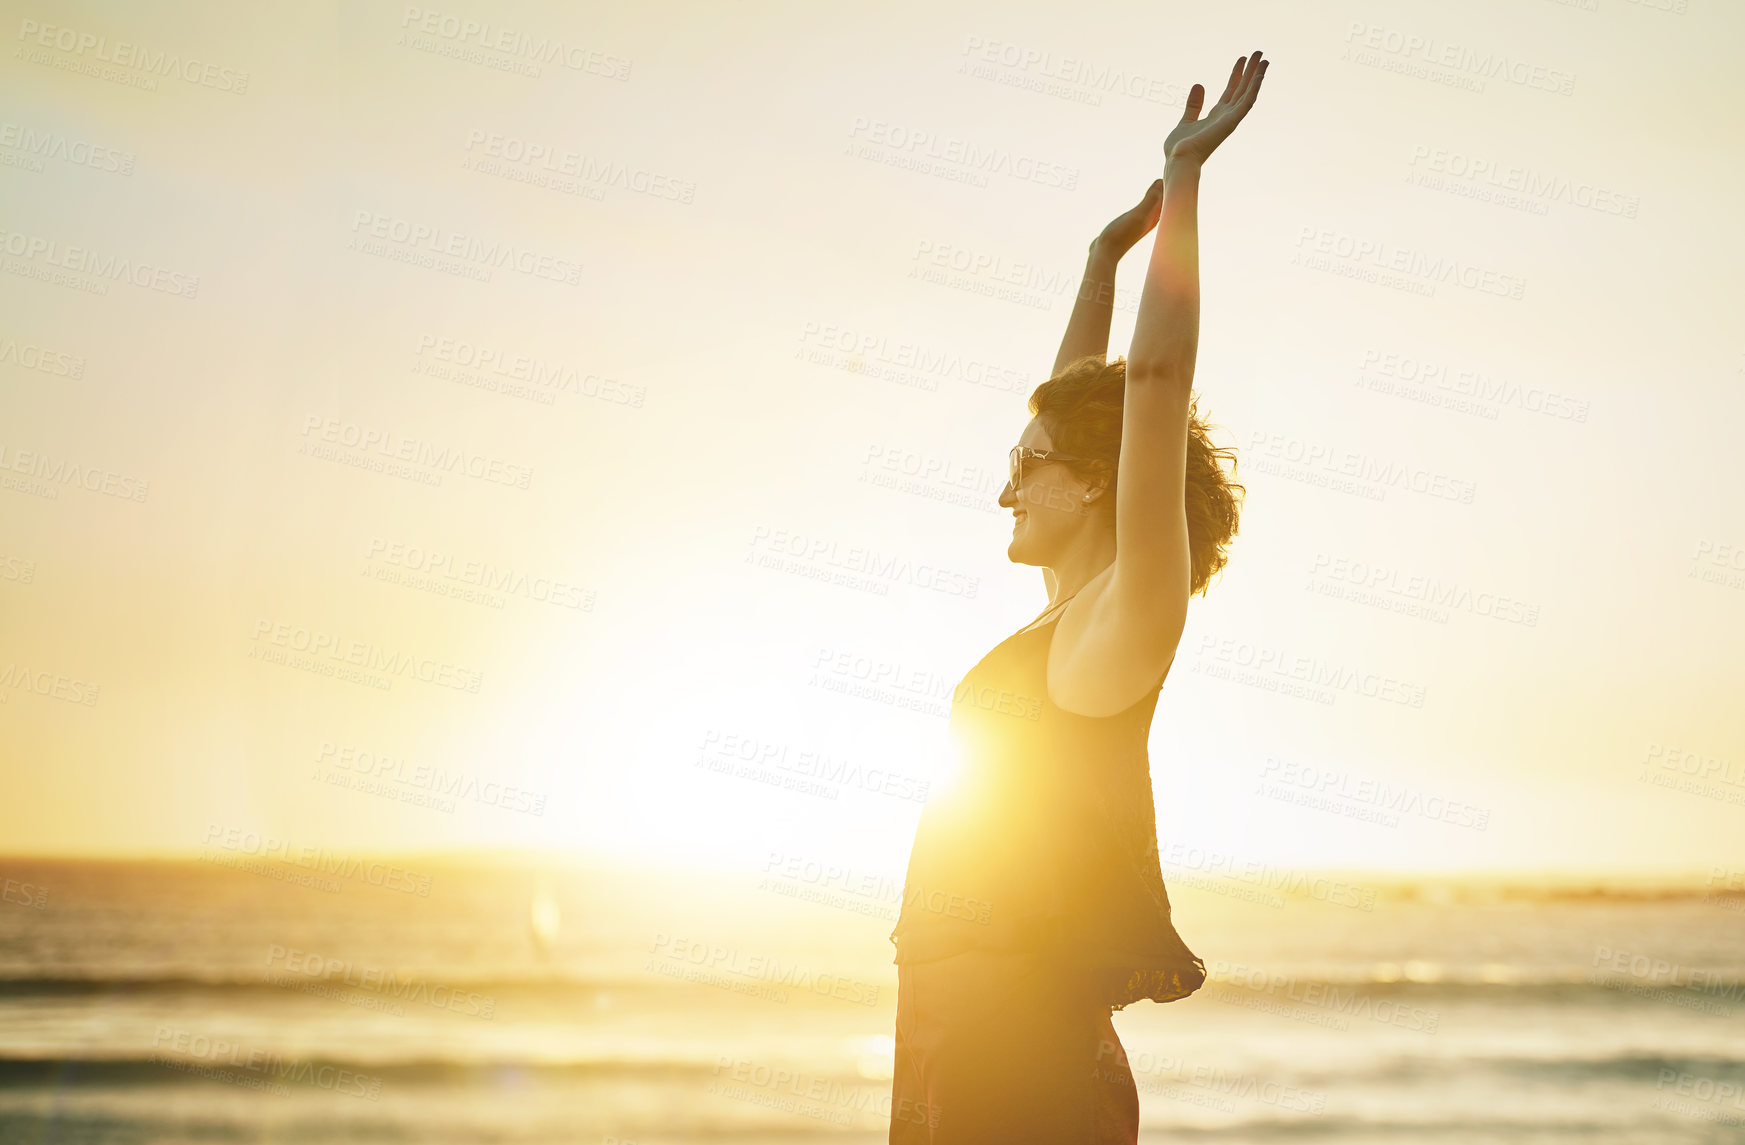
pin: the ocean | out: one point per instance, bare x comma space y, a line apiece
237, 999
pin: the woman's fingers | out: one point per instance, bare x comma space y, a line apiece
1196, 97
1244, 77
1131, 225
1150, 205
1235, 80
1239, 92
1251, 81
1146, 201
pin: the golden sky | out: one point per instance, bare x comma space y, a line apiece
627, 389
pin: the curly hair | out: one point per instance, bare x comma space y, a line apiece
1081, 406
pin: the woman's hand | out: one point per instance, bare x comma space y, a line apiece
1087, 329
1125, 231
1194, 139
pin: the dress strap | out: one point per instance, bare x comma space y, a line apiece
1059, 604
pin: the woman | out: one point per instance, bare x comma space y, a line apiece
1034, 903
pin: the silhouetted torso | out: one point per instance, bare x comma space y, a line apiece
1047, 841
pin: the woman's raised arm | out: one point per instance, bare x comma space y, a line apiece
1087, 331
1166, 335
1137, 620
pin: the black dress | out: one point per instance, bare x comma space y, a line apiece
1034, 881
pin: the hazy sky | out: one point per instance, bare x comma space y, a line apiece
627, 389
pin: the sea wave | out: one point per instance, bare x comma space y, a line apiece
1519, 983
92, 1066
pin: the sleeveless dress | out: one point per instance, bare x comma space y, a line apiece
1033, 906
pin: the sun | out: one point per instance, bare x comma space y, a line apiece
944, 763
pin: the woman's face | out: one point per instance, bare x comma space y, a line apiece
1049, 510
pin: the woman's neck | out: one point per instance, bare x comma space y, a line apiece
1081, 563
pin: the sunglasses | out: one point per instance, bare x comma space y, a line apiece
1020, 453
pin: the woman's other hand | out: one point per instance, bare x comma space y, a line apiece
1127, 228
